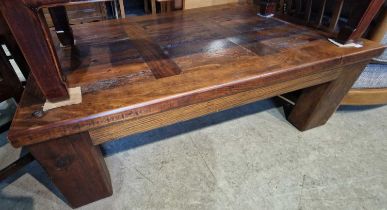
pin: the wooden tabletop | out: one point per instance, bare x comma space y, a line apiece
140, 66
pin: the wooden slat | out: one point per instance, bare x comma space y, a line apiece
359, 21
62, 26
336, 15
321, 12
308, 10
298, 6
289, 6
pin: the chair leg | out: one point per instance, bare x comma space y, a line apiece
153, 4
122, 8
15, 166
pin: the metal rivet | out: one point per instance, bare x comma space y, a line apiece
38, 114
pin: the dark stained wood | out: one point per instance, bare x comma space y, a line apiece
267, 7
159, 63
15, 166
318, 103
336, 15
146, 72
7, 38
308, 10
40, 55
137, 125
371, 96
118, 83
82, 13
321, 12
363, 14
76, 167
62, 26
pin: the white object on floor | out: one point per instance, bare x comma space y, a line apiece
351, 45
265, 16
75, 98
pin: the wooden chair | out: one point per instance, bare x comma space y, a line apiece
11, 87
325, 15
165, 6
370, 89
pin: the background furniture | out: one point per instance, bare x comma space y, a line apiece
142, 73
339, 18
165, 5
10, 87
325, 15
371, 87
83, 13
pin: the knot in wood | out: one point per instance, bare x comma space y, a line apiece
63, 162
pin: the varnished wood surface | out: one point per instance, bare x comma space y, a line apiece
372, 96
140, 66
318, 103
76, 167
137, 125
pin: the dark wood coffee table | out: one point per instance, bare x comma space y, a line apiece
142, 73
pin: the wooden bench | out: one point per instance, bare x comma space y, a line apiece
141, 73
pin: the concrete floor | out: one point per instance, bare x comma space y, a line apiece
244, 158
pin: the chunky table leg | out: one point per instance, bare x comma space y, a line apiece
318, 103
76, 167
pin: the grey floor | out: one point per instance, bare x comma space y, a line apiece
244, 158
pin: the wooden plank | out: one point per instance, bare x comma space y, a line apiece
122, 129
76, 167
160, 64
366, 96
16, 166
308, 10
321, 12
62, 26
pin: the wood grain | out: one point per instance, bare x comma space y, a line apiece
242, 52
318, 103
142, 124
367, 96
76, 167
21, 19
